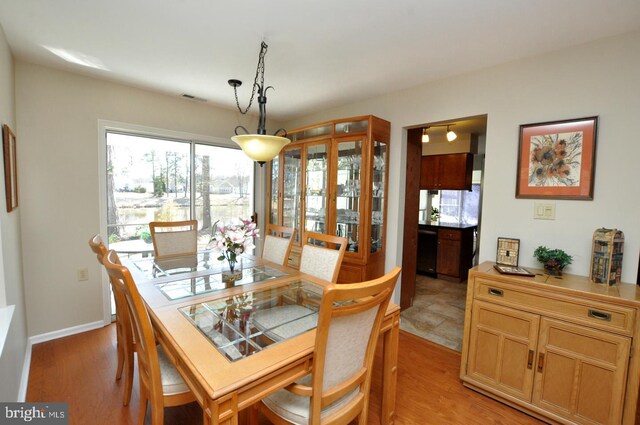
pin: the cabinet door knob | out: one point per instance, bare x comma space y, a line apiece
540, 362
530, 360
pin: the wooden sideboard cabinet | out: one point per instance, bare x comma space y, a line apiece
446, 172
562, 349
333, 178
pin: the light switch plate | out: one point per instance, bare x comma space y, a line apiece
544, 211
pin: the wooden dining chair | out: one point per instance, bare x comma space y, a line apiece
125, 346
172, 238
159, 381
278, 241
322, 261
337, 390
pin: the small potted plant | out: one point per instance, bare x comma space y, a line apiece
554, 260
435, 214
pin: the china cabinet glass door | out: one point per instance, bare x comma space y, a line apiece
273, 198
378, 193
291, 190
348, 206
316, 188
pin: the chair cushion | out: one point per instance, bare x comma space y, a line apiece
275, 249
176, 243
319, 262
286, 321
295, 408
172, 382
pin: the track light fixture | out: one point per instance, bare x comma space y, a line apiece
451, 135
425, 136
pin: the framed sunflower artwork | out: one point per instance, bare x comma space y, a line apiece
556, 160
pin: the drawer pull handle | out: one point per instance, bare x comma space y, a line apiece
540, 362
496, 292
600, 315
530, 360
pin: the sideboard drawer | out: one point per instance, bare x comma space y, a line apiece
609, 317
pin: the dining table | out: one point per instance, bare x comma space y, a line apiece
237, 337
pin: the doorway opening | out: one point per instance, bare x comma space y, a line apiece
442, 225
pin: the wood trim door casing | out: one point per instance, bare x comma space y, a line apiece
411, 209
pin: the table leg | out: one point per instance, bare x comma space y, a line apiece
390, 372
222, 411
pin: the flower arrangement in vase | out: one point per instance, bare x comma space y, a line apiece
232, 240
554, 260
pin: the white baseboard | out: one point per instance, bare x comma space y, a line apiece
36, 339
49, 336
24, 379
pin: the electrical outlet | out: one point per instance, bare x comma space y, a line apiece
83, 274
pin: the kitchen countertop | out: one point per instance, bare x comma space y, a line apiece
446, 225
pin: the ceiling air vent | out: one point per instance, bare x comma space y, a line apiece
192, 97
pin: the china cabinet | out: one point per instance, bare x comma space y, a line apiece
332, 178
559, 348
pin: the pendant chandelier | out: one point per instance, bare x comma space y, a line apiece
260, 147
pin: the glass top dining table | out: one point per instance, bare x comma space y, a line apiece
237, 325
219, 327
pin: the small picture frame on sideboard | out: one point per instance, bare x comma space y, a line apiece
508, 251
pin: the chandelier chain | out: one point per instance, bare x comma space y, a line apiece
256, 86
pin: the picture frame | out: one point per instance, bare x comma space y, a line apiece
556, 159
508, 251
519, 271
10, 168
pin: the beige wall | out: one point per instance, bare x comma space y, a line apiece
600, 78
11, 283
58, 115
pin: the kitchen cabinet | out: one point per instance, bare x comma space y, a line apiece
455, 252
446, 172
558, 348
332, 178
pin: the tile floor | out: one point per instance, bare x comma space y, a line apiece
437, 313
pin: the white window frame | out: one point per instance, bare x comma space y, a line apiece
104, 126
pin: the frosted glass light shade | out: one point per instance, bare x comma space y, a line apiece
260, 147
425, 137
451, 136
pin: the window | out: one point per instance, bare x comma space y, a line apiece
161, 179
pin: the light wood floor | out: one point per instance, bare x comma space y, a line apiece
80, 369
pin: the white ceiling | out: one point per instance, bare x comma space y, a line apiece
321, 53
